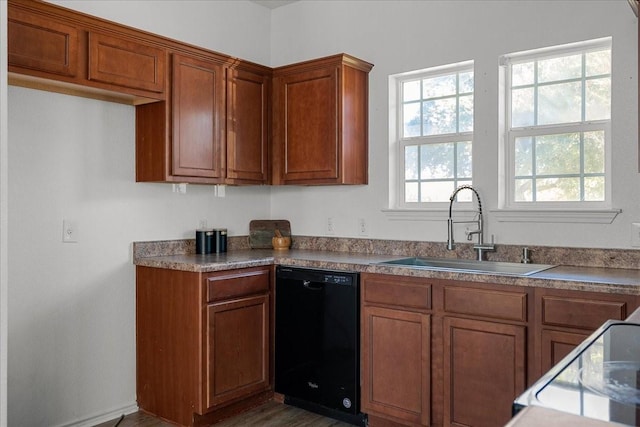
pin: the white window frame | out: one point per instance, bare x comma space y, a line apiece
397, 143
507, 164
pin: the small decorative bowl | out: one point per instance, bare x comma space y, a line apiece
281, 243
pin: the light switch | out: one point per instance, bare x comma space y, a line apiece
69, 231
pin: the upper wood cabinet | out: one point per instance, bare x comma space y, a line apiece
197, 101
248, 101
214, 129
60, 50
126, 63
41, 44
202, 117
320, 122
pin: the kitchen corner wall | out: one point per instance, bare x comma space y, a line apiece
71, 357
4, 223
399, 36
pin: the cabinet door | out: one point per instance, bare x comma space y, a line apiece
306, 113
557, 344
41, 44
396, 364
247, 127
237, 349
198, 111
484, 371
126, 63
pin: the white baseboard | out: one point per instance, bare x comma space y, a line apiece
102, 417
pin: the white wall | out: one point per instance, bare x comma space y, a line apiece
72, 305
398, 36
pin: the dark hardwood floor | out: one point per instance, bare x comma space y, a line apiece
270, 414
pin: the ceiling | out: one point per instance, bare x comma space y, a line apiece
272, 4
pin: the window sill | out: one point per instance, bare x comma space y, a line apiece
428, 214
591, 216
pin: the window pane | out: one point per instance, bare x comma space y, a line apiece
522, 74
411, 91
411, 192
523, 190
439, 116
570, 92
558, 189
466, 114
464, 160
524, 156
437, 161
559, 103
558, 154
594, 152
598, 63
598, 99
436, 108
411, 119
439, 86
436, 191
522, 108
466, 82
594, 189
411, 162
563, 68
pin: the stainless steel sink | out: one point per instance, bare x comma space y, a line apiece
468, 266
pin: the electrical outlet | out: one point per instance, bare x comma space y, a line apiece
363, 230
331, 226
69, 231
219, 190
180, 188
635, 234
202, 224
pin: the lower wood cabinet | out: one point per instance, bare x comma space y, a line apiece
484, 371
555, 345
568, 317
455, 353
396, 351
203, 342
237, 348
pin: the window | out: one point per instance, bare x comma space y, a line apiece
434, 133
558, 114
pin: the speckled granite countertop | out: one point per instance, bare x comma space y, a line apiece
598, 279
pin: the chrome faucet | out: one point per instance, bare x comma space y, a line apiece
481, 247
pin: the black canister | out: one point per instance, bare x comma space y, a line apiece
219, 240
204, 242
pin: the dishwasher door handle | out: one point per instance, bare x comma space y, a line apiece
311, 286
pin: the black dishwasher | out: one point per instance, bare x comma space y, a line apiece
317, 357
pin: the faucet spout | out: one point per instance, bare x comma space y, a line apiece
481, 247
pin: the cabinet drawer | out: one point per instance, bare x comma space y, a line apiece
580, 313
396, 291
486, 303
237, 283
